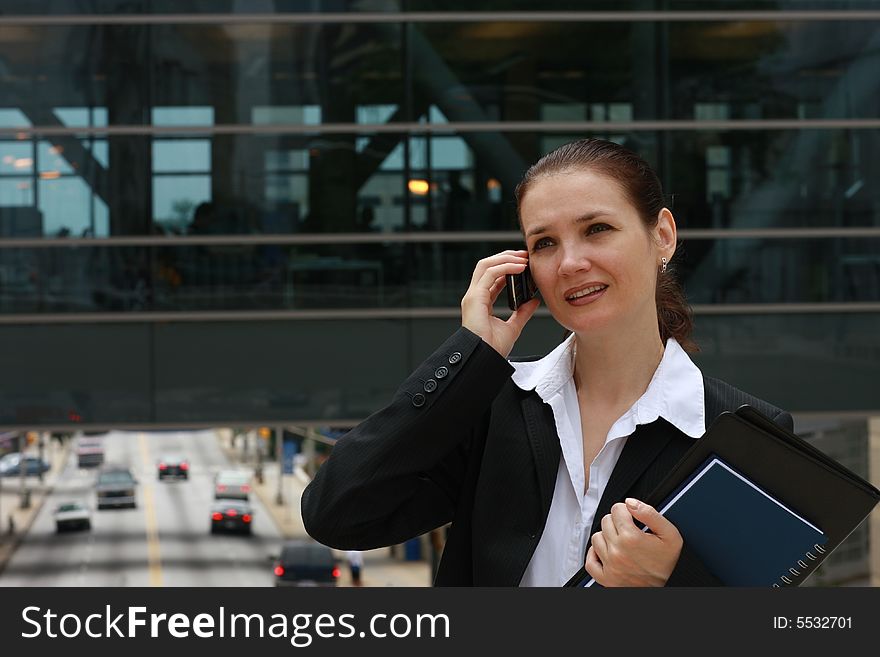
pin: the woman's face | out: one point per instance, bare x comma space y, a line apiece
591, 256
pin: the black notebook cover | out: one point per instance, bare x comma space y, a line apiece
797, 475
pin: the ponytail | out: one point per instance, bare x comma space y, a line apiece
675, 319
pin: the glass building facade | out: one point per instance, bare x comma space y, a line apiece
264, 211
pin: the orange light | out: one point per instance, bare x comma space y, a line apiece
493, 183
23, 163
418, 187
50, 175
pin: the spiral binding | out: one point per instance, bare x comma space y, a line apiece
788, 581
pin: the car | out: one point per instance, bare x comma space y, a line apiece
231, 516
90, 452
115, 486
10, 465
72, 515
172, 466
232, 484
305, 563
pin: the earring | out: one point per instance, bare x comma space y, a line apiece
663, 262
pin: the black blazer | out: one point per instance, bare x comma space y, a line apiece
461, 443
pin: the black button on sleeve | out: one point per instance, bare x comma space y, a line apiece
430, 385
418, 400
455, 358
441, 372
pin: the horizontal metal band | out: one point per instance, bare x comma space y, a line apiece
312, 18
142, 317
415, 128
439, 237
289, 425
293, 424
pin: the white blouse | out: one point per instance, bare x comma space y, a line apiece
675, 394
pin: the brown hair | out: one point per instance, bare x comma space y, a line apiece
642, 187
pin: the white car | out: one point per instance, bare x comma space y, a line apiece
72, 515
234, 484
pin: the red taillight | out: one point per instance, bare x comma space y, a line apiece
162, 466
184, 466
279, 571
246, 517
335, 571
216, 516
221, 488
245, 488
231, 513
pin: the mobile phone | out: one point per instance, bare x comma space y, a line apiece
520, 288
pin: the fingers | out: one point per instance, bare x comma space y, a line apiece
647, 514
622, 519
593, 566
499, 284
523, 314
600, 544
608, 525
497, 259
477, 314
500, 270
480, 290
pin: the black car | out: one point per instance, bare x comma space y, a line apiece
306, 563
115, 486
231, 516
173, 467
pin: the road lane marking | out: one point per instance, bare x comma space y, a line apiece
154, 556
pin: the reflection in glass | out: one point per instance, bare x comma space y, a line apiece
621, 71
175, 199
16, 157
203, 277
281, 184
59, 196
15, 192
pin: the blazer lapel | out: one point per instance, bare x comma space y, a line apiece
641, 449
541, 430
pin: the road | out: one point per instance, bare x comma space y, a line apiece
165, 541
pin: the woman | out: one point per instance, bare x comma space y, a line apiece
540, 466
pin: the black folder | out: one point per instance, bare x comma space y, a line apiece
788, 469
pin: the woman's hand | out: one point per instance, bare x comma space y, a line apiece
486, 284
623, 555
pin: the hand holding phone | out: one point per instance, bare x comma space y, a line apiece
520, 288
477, 304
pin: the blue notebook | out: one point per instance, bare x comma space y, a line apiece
743, 535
